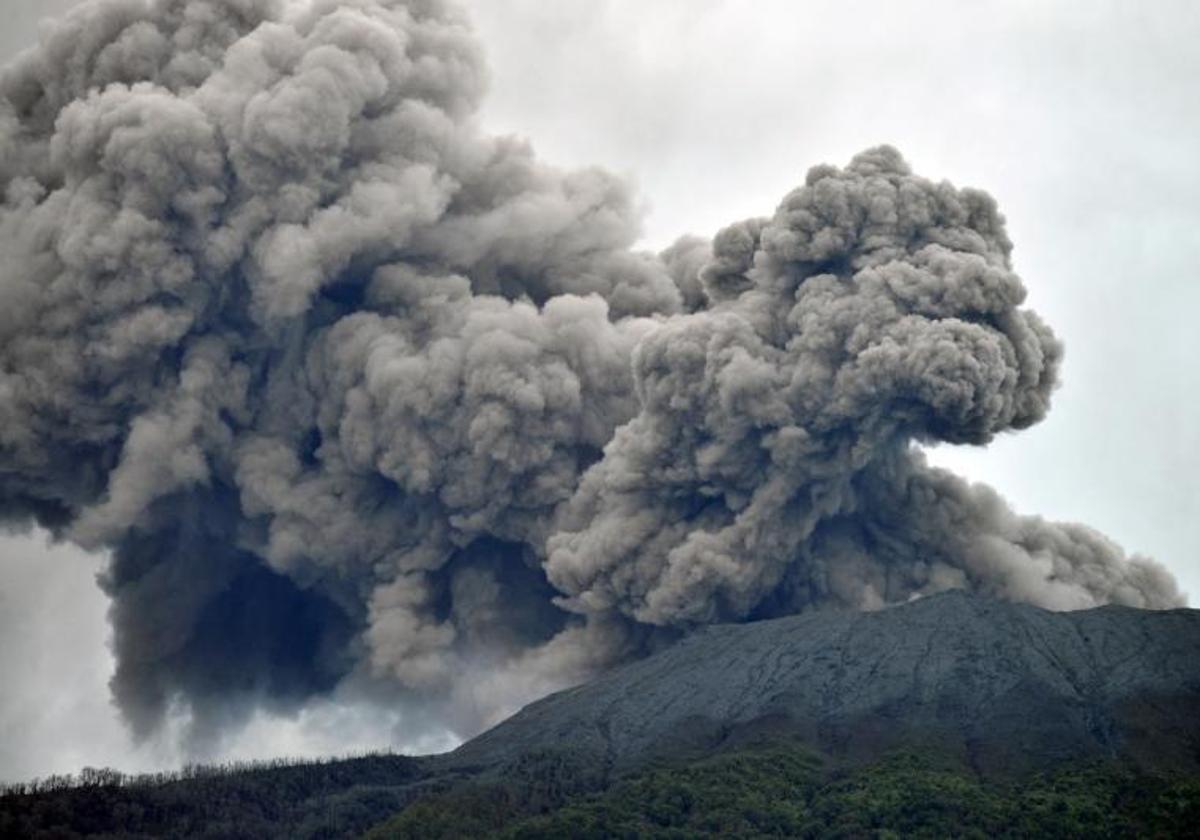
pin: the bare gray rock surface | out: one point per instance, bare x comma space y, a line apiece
1001, 686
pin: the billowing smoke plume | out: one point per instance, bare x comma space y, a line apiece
354, 391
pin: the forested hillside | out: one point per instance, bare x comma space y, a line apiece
762, 790
317, 799
786, 791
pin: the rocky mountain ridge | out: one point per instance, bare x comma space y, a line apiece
823, 724
1001, 686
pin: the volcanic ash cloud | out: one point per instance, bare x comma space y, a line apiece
355, 393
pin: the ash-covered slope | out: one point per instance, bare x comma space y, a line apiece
1001, 686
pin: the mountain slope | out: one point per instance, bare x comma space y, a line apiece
1003, 687
781, 790
992, 718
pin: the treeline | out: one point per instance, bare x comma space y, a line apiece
787, 792
773, 789
107, 777
270, 799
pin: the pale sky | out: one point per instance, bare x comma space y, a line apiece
1081, 118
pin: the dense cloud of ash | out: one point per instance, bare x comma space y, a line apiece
359, 395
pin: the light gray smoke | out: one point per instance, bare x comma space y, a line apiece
353, 391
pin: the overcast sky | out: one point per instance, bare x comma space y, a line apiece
1081, 118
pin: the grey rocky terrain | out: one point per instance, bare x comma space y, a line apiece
1000, 686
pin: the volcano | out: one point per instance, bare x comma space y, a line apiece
954, 713
1002, 687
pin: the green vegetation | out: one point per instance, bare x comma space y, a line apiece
775, 790
314, 799
537, 783
785, 792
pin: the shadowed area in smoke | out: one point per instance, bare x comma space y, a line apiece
357, 394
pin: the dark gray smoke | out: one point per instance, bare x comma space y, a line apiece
353, 391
